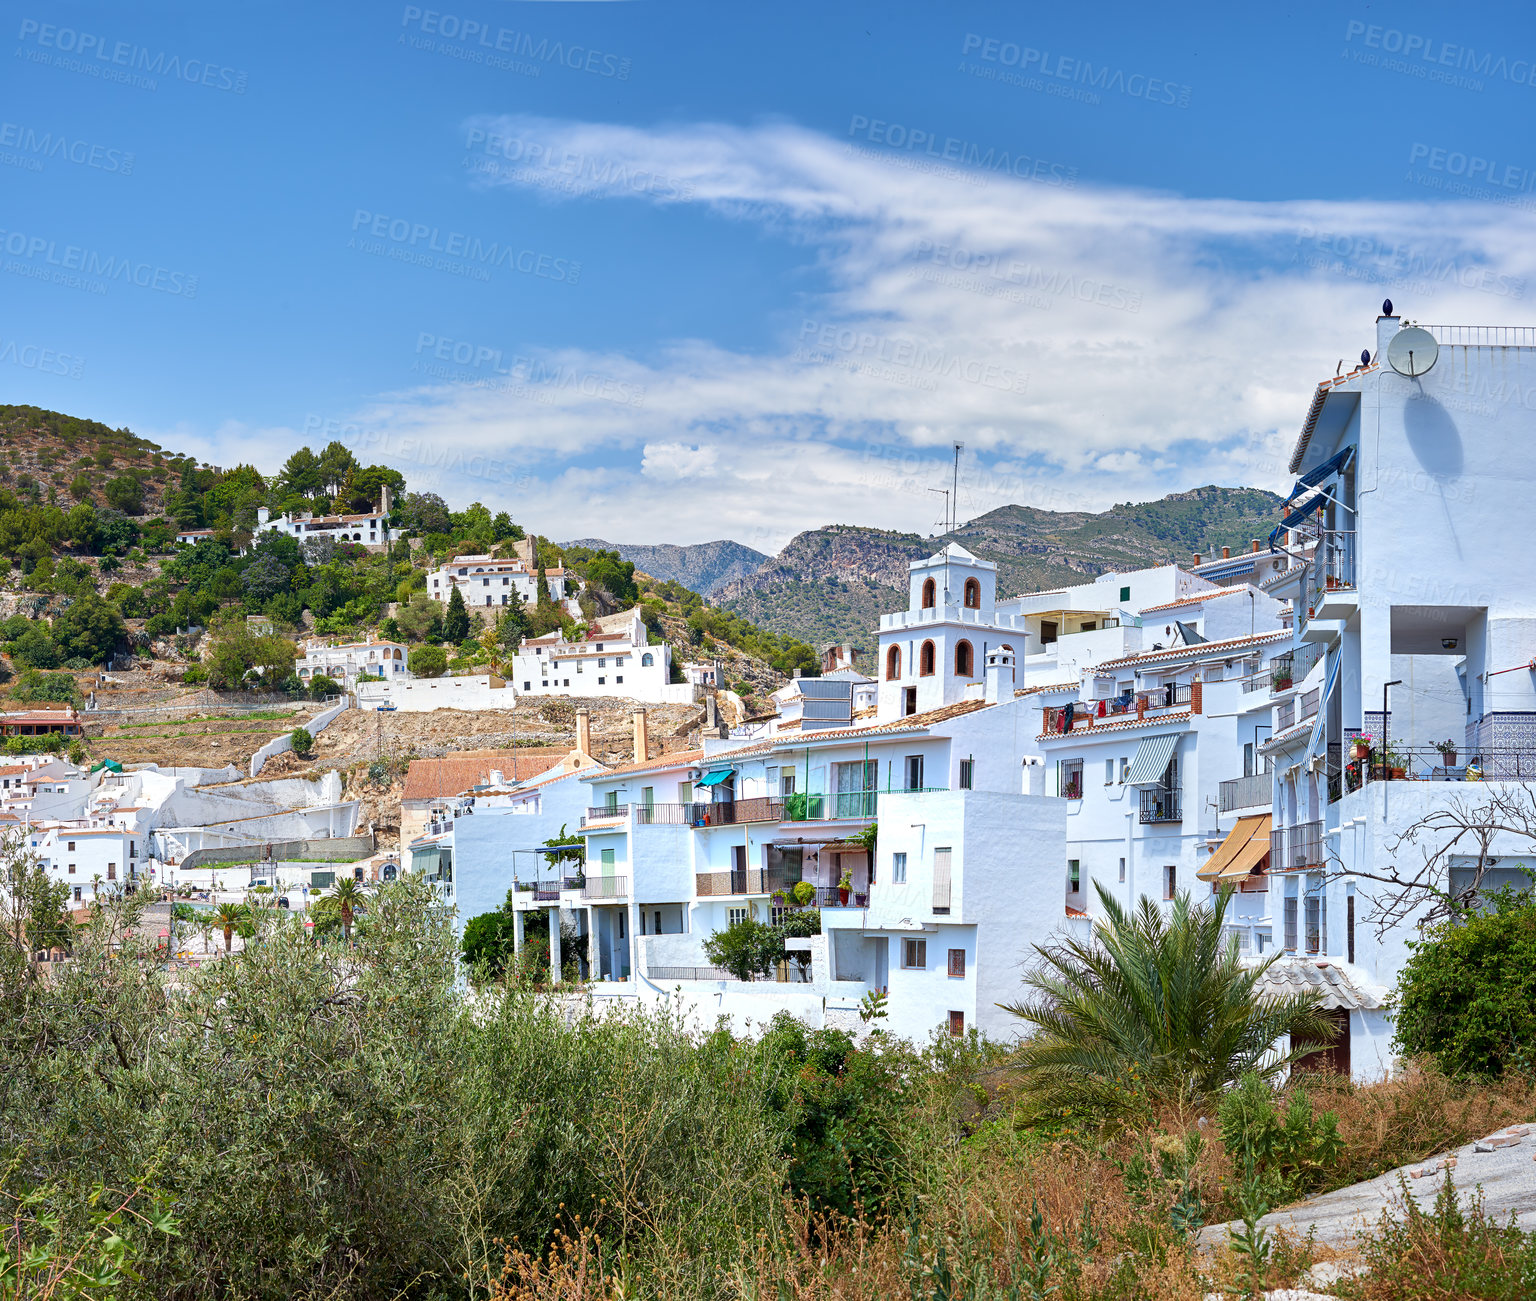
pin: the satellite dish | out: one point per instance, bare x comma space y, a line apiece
1412, 351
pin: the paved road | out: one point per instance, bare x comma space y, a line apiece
1506, 1174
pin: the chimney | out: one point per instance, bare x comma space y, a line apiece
1226, 553
1254, 544
1386, 327
262, 514
642, 738
1197, 557
383, 499
498, 778
999, 676
583, 732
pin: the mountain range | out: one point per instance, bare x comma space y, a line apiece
833, 583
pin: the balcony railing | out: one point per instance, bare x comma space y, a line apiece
1285, 715
606, 887
1307, 705
605, 813
1297, 847
1084, 713
1333, 563
1245, 792
689, 973
1293, 666
1159, 804
751, 880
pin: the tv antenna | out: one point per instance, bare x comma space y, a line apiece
944, 493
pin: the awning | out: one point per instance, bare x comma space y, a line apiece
1246, 846
1320, 721
1305, 511
1151, 760
1319, 474
715, 778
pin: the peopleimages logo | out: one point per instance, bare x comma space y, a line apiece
1079, 72
414, 241
987, 158
482, 38
46, 145
1474, 167
1440, 54
46, 259
105, 53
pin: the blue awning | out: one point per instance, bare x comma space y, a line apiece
1304, 511
716, 777
1152, 758
1319, 473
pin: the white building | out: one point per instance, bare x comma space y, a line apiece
615, 658
369, 529
349, 661
488, 582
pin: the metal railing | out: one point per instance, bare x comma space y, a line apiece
751, 880
1159, 804
1296, 847
1306, 705
1245, 792
1333, 563
606, 887
689, 973
605, 813
1083, 713
1430, 763
1484, 336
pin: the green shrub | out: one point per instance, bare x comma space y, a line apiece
1467, 996
746, 948
303, 742
428, 661
1284, 1155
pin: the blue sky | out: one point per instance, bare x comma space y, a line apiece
670, 272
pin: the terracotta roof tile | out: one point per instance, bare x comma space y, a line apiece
1195, 650
1200, 598
679, 759
1088, 733
453, 774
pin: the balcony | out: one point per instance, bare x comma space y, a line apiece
1295, 848
605, 813
1245, 792
739, 881
1160, 804
606, 887
1333, 594
841, 806
1081, 715
548, 889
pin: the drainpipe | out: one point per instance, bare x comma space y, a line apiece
1130, 858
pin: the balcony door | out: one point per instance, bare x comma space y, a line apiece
855, 788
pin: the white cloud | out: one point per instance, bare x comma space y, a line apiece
1088, 345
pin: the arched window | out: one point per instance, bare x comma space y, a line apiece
965, 660
928, 593
972, 594
893, 664
646, 660
925, 660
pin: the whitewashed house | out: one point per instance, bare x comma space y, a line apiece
345, 663
486, 582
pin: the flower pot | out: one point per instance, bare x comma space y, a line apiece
1282, 684
1448, 758
1398, 774
1359, 750
842, 896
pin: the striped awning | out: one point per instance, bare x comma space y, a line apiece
1151, 760
1245, 848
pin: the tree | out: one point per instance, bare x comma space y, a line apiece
302, 741
428, 662
265, 577
80, 487
425, 512
127, 494
456, 620
336, 463
746, 948
420, 618
36, 649
489, 940
512, 624
1153, 1011
350, 897
1467, 995
230, 917
91, 628
301, 473
33, 908
237, 656
321, 686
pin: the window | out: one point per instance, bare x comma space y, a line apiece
611, 801
1290, 924
602, 681
1069, 779
527, 686
957, 1024
685, 792
787, 784
602, 662
647, 660
893, 664
619, 678
972, 594
1125, 767
607, 859
77, 894
1170, 881
898, 869
928, 594
957, 964
734, 915
1109, 772
658, 922
775, 915
967, 774
1074, 875
925, 660
111, 871
71, 869
965, 660
71, 846
621, 923
914, 772
1122, 869
1047, 632
1125, 593
909, 705
943, 864
647, 797
914, 954
1248, 759
1349, 927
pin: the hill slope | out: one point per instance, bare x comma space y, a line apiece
701, 568
831, 584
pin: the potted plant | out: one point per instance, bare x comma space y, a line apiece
844, 885
1396, 762
1447, 752
1360, 746
1282, 679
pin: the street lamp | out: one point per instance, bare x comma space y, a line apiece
1396, 682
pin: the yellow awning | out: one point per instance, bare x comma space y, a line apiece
1246, 846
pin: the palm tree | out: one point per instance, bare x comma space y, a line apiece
1154, 1011
349, 896
227, 917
